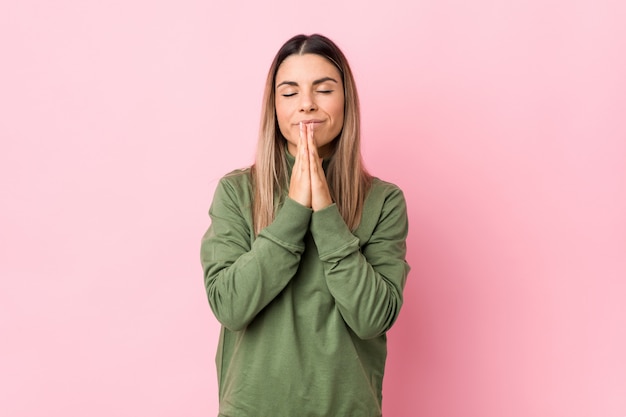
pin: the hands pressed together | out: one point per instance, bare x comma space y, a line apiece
308, 184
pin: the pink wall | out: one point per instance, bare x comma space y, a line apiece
504, 122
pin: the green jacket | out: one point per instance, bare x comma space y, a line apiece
305, 305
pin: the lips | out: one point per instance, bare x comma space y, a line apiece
312, 121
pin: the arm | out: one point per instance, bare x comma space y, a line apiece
366, 282
241, 277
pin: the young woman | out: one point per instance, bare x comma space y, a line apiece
304, 261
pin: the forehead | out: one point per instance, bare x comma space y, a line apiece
306, 68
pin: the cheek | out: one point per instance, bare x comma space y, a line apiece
283, 120
285, 127
338, 112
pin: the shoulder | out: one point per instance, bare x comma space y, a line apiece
385, 200
384, 191
384, 212
238, 176
235, 186
238, 179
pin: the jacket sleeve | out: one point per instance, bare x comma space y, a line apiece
366, 282
241, 274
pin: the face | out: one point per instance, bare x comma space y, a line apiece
309, 89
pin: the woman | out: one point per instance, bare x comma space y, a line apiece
304, 261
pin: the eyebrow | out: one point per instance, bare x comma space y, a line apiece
316, 82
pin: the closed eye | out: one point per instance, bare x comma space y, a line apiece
325, 91
289, 94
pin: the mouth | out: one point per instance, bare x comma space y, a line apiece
312, 122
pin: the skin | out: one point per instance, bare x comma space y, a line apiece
309, 109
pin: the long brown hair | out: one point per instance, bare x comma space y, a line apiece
347, 179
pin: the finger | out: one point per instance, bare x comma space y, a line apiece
305, 148
300, 183
312, 145
296, 164
314, 159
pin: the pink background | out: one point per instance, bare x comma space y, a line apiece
503, 121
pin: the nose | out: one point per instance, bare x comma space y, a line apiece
307, 102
